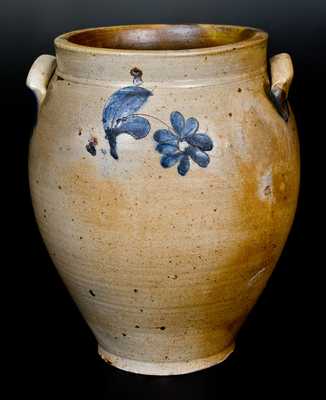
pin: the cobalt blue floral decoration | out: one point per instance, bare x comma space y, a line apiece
183, 144
178, 144
119, 115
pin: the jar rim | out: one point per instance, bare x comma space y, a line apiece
161, 39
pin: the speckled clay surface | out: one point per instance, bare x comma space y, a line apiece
164, 267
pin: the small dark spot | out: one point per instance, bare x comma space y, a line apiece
80, 237
124, 334
79, 132
137, 326
37, 181
68, 83
141, 310
91, 292
166, 357
59, 78
59, 187
215, 209
267, 190
230, 114
115, 337
135, 290
91, 149
239, 90
137, 74
162, 328
91, 146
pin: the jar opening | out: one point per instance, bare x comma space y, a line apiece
161, 37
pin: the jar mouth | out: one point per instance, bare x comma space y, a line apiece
169, 39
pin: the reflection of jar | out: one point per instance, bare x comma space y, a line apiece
165, 242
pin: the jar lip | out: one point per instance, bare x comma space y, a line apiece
247, 37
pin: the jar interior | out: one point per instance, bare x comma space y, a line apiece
161, 37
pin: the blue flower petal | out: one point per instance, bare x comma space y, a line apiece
165, 136
165, 148
184, 165
200, 158
177, 122
169, 160
191, 127
200, 140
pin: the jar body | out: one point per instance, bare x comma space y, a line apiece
164, 267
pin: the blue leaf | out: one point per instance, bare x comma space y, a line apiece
200, 140
123, 103
134, 125
137, 127
198, 156
177, 122
165, 148
112, 139
184, 165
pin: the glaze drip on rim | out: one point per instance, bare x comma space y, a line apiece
174, 39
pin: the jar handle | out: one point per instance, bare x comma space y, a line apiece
39, 75
281, 79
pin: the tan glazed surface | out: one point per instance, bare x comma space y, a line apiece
164, 267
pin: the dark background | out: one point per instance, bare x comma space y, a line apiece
52, 351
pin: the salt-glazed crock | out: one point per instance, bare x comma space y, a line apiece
164, 172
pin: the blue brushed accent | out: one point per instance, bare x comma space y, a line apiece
178, 144
194, 146
118, 115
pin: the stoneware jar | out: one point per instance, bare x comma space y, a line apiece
164, 172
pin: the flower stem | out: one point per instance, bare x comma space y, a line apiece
151, 116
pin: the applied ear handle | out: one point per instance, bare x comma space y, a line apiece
40, 74
281, 79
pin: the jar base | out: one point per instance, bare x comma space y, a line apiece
164, 368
